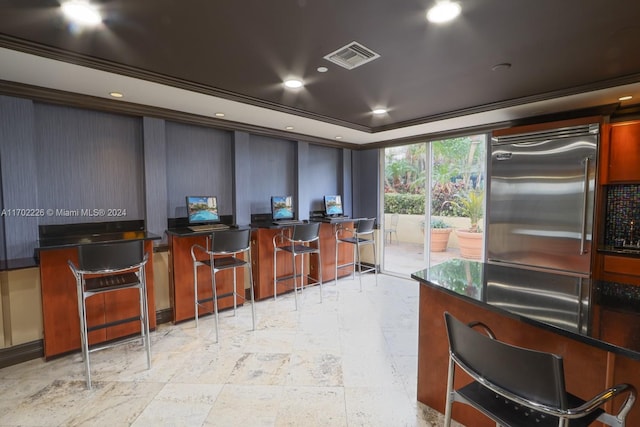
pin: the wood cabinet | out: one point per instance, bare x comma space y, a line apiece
623, 153
328, 252
618, 268
60, 304
181, 289
262, 257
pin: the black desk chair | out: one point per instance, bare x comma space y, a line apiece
105, 268
360, 236
298, 243
519, 387
222, 254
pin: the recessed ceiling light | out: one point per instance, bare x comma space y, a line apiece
338, 137
499, 67
625, 98
293, 83
289, 128
322, 69
443, 11
219, 114
380, 111
116, 94
81, 12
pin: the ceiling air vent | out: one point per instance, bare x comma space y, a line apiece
351, 56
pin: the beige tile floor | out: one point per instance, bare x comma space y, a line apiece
350, 361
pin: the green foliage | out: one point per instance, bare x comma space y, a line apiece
408, 204
439, 223
442, 195
471, 204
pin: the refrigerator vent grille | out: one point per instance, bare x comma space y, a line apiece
569, 132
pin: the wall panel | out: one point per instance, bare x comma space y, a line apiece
19, 176
199, 163
273, 171
88, 160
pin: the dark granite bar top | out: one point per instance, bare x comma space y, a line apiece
70, 235
71, 241
186, 232
603, 314
630, 251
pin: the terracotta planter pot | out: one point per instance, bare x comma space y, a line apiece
439, 239
470, 244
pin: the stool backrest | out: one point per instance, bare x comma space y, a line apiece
365, 225
529, 375
306, 232
110, 256
230, 241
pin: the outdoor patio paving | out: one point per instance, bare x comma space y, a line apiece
406, 258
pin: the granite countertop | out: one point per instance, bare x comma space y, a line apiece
83, 239
602, 314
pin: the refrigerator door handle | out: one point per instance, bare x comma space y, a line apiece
585, 207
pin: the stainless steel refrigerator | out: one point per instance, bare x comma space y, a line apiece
541, 200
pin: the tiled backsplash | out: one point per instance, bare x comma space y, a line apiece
623, 206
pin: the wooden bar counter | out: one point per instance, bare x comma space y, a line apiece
262, 255
61, 321
181, 289
595, 326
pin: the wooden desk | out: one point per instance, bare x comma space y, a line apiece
600, 350
328, 248
60, 301
262, 256
181, 289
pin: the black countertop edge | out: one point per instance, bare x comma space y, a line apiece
186, 232
611, 250
603, 345
73, 241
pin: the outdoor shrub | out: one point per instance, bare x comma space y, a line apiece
408, 204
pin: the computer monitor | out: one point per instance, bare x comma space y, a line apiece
333, 206
282, 207
202, 210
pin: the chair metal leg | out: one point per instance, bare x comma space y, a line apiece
253, 300
449, 401
215, 298
195, 291
320, 273
359, 265
235, 293
295, 281
145, 314
335, 278
85, 343
375, 261
275, 263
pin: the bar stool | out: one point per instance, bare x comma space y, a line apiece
108, 267
224, 248
519, 387
298, 244
361, 235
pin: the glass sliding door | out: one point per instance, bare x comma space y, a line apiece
456, 196
404, 196
433, 196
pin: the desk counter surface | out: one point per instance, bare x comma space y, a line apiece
85, 239
602, 314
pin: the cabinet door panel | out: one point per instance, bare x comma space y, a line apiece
624, 154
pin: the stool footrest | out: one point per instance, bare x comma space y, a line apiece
114, 323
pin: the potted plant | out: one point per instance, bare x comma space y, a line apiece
440, 231
471, 205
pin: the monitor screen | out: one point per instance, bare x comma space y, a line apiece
282, 207
333, 206
202, 209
